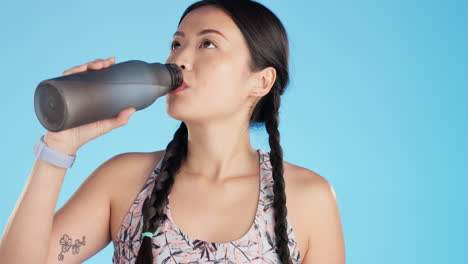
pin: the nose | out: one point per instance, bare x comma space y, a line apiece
183, 66
182, 59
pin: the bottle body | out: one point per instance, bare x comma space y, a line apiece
77, 99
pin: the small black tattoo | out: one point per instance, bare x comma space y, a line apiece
66, 243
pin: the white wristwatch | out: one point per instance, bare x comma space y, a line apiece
41, 150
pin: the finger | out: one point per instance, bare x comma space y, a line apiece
96, 61
75, 69
124, 116
126, 113
120, 120
115, 122
80, 68
96, 65
109, 61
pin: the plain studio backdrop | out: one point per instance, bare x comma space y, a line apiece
377, 105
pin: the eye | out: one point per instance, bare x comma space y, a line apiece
207, 41
173, 44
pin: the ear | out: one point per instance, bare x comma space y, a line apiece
264, 81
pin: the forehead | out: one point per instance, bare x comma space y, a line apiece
209, 17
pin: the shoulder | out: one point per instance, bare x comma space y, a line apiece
129, 170
309, 190
309, 182
130, 162
317, 199
136, 160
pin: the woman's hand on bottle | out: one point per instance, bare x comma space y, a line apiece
70, 140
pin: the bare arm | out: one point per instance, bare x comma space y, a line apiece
30, 224
76, 232
81, 227
326, 239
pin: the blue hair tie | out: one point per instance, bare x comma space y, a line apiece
147, 234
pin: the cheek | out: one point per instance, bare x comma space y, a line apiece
220, 77
222, 85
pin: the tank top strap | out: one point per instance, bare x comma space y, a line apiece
266, 179
157, 169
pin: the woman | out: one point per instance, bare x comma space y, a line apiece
229, 203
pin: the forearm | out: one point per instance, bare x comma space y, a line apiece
26, 236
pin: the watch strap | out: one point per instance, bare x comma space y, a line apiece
57, 158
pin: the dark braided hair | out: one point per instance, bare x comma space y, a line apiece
268, 45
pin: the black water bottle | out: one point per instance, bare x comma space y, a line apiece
81, 98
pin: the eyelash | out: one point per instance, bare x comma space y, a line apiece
204, 41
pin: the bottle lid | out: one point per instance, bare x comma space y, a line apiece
176, 75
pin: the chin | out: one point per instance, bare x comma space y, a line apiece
178, 115
180, 111
190, 111
188, 116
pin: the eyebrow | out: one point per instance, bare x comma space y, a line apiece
204, 31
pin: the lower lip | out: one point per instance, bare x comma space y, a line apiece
179, 89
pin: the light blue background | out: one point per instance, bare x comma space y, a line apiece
377, 105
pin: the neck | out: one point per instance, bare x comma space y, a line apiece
220, 151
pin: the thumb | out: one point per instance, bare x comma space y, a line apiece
125, 115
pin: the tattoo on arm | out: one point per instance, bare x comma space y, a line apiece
66, 243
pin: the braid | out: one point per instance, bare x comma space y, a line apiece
276, 160
153, 207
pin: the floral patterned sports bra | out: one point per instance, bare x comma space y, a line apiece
171, 245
